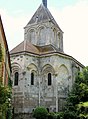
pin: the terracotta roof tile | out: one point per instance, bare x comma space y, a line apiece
28, 47
25, 46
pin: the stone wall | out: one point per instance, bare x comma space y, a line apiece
23, 116
26, 97
44, 34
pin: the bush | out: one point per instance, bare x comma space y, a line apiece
60, 115
51, 115
40, 113
69, 115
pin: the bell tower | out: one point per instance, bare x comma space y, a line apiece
43, 30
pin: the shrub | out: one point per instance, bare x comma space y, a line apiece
40, 113
69, 115
60, 115
51, 115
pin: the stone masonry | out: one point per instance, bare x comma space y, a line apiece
42, 73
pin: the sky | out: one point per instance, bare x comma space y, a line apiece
71, 16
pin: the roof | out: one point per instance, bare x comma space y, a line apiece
41, 15
28, 47
39, 50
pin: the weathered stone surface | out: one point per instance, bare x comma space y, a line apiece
43, 57
23, 116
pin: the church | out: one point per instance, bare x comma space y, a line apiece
42, 73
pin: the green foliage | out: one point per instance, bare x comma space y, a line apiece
69, 115
9, 114
83, 110
78, 96
1, 62
40, 113
5, 97
9, 82
60, 115
0, 53
51, 115
5, 94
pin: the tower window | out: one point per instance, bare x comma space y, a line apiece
32, 36
16, 77
42, 36
32, 78
49, 79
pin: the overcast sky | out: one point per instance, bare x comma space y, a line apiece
71, 16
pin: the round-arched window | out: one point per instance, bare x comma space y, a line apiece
32, 78
49, 79
16, 78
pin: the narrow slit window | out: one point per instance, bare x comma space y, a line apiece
16, 78
49, 79
32, 78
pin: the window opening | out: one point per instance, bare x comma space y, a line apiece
32, 78
16, 78
49, 79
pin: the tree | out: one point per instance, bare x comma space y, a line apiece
78, 96
83, 110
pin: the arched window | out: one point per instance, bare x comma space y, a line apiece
32, 36
49, 79
42, 36
58, 43
16, 77
54, 31
32, 78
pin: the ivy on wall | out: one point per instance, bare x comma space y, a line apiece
5, 94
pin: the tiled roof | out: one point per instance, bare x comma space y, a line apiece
42, 14
25, 46
28, 47
39, 50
